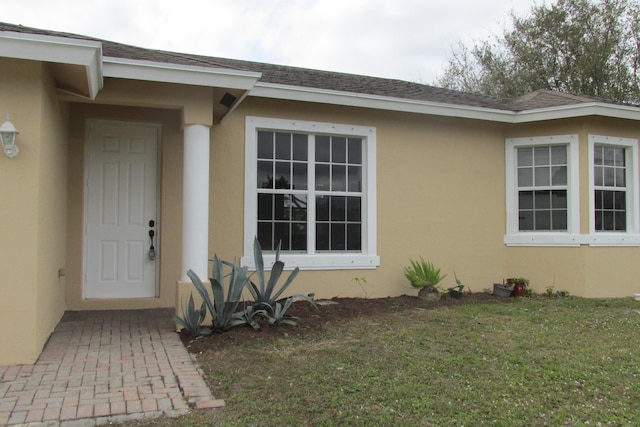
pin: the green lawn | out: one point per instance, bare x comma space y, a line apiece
537, 361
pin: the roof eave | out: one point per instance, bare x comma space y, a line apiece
60, 50
325, 96
298, 93
179, 74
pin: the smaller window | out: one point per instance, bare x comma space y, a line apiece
542, 190
613, 199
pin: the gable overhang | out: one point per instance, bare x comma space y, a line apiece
306, 94
76, 64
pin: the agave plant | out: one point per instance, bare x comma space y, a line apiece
192, 318
266, 294
223, 310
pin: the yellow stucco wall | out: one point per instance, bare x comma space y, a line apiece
439, 188
32, 212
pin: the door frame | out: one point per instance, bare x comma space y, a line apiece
85, 187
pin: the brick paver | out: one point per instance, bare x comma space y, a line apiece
101, 367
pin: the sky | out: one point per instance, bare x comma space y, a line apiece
399, 39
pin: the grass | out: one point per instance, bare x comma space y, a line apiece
537, 361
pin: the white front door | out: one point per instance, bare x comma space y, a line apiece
121, 210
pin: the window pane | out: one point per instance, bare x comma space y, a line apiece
607, 220
281, 207
559, 199
265, 206
597, 155
265, 175
265, 145
620, 219
620, 177
620, 202
338, 237
542, 200
607, 199
354, 237
355, 178
322, 177
525, 177
338, 208
300, 147
265, 236
355, 151
559, 175
541, 155
609, 156
338, 178
525, 156
322, 236
322, 148
322, 208
542, 176
299, 176
298, 207
339, 150
283, 146
609, 179
525, 200
598, 199
281, 235
543, 220
559, 155
298, 236
559, 219
619, 156
526, 220
283, 173
598, 174
353, 209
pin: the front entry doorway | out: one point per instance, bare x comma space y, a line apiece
121, 210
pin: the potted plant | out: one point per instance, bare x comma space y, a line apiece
519, 286
424, 276
458, 290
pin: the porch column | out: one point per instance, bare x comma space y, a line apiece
195, 201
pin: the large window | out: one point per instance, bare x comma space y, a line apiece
613, 172
542, 190
310, 188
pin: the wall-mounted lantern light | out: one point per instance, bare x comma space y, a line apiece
8, 133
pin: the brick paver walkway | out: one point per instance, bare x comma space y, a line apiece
105, 366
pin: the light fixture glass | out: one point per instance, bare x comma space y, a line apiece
8, 133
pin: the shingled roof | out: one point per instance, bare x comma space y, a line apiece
325, 80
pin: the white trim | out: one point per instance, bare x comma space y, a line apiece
513, 237
368, 258
334, 97
61, 50
608, 238
181, 74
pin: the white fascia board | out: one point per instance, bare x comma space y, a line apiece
298, 93
180, 74
578, 110
60, 50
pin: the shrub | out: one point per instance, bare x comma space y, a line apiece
192, 319
423, 274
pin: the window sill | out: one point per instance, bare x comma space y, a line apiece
571, 240
542, 239
319, 262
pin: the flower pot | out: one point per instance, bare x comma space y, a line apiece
502, 291
429, 294
519, 289
454, 293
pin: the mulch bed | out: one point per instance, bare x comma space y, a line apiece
334, 311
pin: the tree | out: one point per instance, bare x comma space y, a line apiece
586, 47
